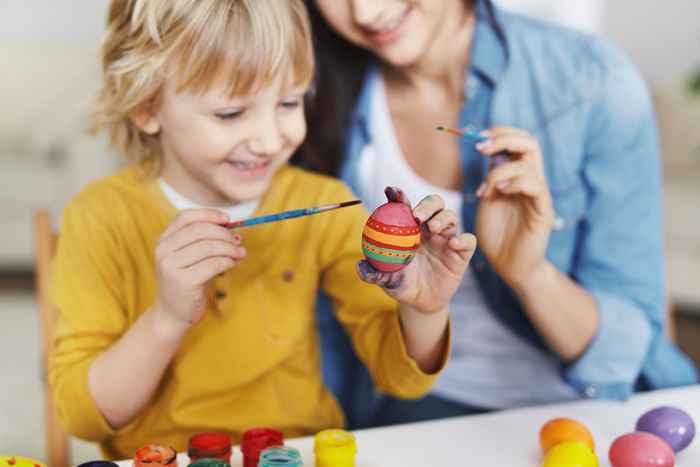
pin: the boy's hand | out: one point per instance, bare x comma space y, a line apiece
193, 249
430, 281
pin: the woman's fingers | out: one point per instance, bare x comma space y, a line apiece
536, 190
516, 145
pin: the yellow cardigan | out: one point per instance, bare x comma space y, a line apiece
254, 359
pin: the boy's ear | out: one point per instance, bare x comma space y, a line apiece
146, 121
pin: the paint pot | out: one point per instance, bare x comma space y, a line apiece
391, 237
18, 461
99, 464
209, 463
335, 448
154, 455
209, 445
284, 456
256, 440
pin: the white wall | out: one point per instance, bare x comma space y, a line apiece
663, 38
75, 22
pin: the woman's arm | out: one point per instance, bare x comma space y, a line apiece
514, 221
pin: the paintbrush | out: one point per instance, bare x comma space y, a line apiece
466, 133
280, 216
494, 161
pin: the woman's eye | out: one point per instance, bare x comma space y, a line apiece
229, 115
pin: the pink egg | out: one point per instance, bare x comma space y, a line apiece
391, 237
641, 449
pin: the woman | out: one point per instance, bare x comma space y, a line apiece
565, 298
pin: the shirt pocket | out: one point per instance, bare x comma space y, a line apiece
285, 299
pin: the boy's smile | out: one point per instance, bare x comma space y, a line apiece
218, 150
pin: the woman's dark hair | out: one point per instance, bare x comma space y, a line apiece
340, 71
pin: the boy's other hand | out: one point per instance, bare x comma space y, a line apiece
432, 278
193, 249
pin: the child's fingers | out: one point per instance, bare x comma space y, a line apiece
369, 274
444, 223
428, 207
206, 270
396, 195
189, 216
464, 245
197, 231
204, 249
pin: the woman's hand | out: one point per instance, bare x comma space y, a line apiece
428, 283
193, 249
515, 215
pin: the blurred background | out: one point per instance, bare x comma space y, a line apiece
49, 70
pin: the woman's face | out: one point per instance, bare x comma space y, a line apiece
400, 32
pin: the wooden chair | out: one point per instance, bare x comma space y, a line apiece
55, 438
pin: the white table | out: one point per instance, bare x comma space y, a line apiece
504, 439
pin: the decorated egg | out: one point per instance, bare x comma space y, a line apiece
17, 461
391, 237
671, 424
570, 454
559, 430
641, 449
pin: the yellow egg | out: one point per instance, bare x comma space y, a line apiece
570, 454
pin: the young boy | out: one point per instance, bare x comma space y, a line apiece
206, 100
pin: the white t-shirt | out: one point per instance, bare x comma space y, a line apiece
490, 367
235, 212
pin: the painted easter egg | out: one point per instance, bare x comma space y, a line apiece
641, 449
559, 430
17, 461
671, 424
570, 454
391, 237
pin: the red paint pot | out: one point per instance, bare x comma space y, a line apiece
154, 455
256, 440
210, 445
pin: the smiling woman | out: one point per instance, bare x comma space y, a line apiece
564, 300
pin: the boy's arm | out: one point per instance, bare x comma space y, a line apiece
103, 370
403, 348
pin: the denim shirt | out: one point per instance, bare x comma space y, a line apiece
593, 117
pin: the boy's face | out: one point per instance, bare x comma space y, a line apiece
219, 151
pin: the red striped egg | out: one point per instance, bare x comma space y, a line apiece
391, 237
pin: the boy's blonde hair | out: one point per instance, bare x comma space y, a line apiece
247, 43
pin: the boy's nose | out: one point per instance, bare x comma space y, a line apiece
267, 141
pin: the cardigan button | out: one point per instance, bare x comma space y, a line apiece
220, 294
288, 276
